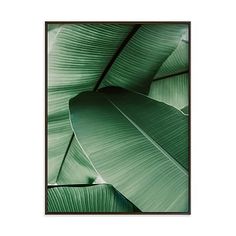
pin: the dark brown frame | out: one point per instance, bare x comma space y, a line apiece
46, 118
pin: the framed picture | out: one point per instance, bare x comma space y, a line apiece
117, 117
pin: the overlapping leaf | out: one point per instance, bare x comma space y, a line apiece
78, 54
139, 61
137, 144
185, 110
88, 199
76, 168
178, 61
172, 90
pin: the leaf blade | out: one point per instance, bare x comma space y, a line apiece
77, 57
172, 90
76, 168
177, 62
120, 153
143, 56
87, 199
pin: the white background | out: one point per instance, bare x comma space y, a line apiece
213, 117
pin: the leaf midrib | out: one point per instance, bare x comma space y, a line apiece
153, 142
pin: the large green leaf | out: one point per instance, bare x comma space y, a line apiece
77, 57
137, 144
171, 82
171, 90
165, 125
93, 199
80, 55
178, 61
140, 60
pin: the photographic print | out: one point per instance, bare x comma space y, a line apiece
117, 118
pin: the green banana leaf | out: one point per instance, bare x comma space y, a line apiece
149, 59
77, 56
139, 61
83, 57
138, 145
171, 82
76, 168
177, 62
172, 90
87, 199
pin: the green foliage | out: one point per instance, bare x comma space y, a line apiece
122, 137
92, 199
137, 144
171, 90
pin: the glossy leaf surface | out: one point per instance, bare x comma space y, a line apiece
145, 157
139, 61
172, 90
77, 56
91, 199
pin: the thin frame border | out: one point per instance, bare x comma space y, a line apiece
46, 118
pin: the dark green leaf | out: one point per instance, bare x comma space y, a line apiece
139, 61
185, 110
137, 144
93, 199
176, 62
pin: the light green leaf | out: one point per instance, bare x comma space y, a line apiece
173, 90
76, 168
93, 199
52, 26
77, 57
139, 61
185, 36
136, 144
177, 62
53, 31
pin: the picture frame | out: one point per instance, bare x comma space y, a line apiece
107, 68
